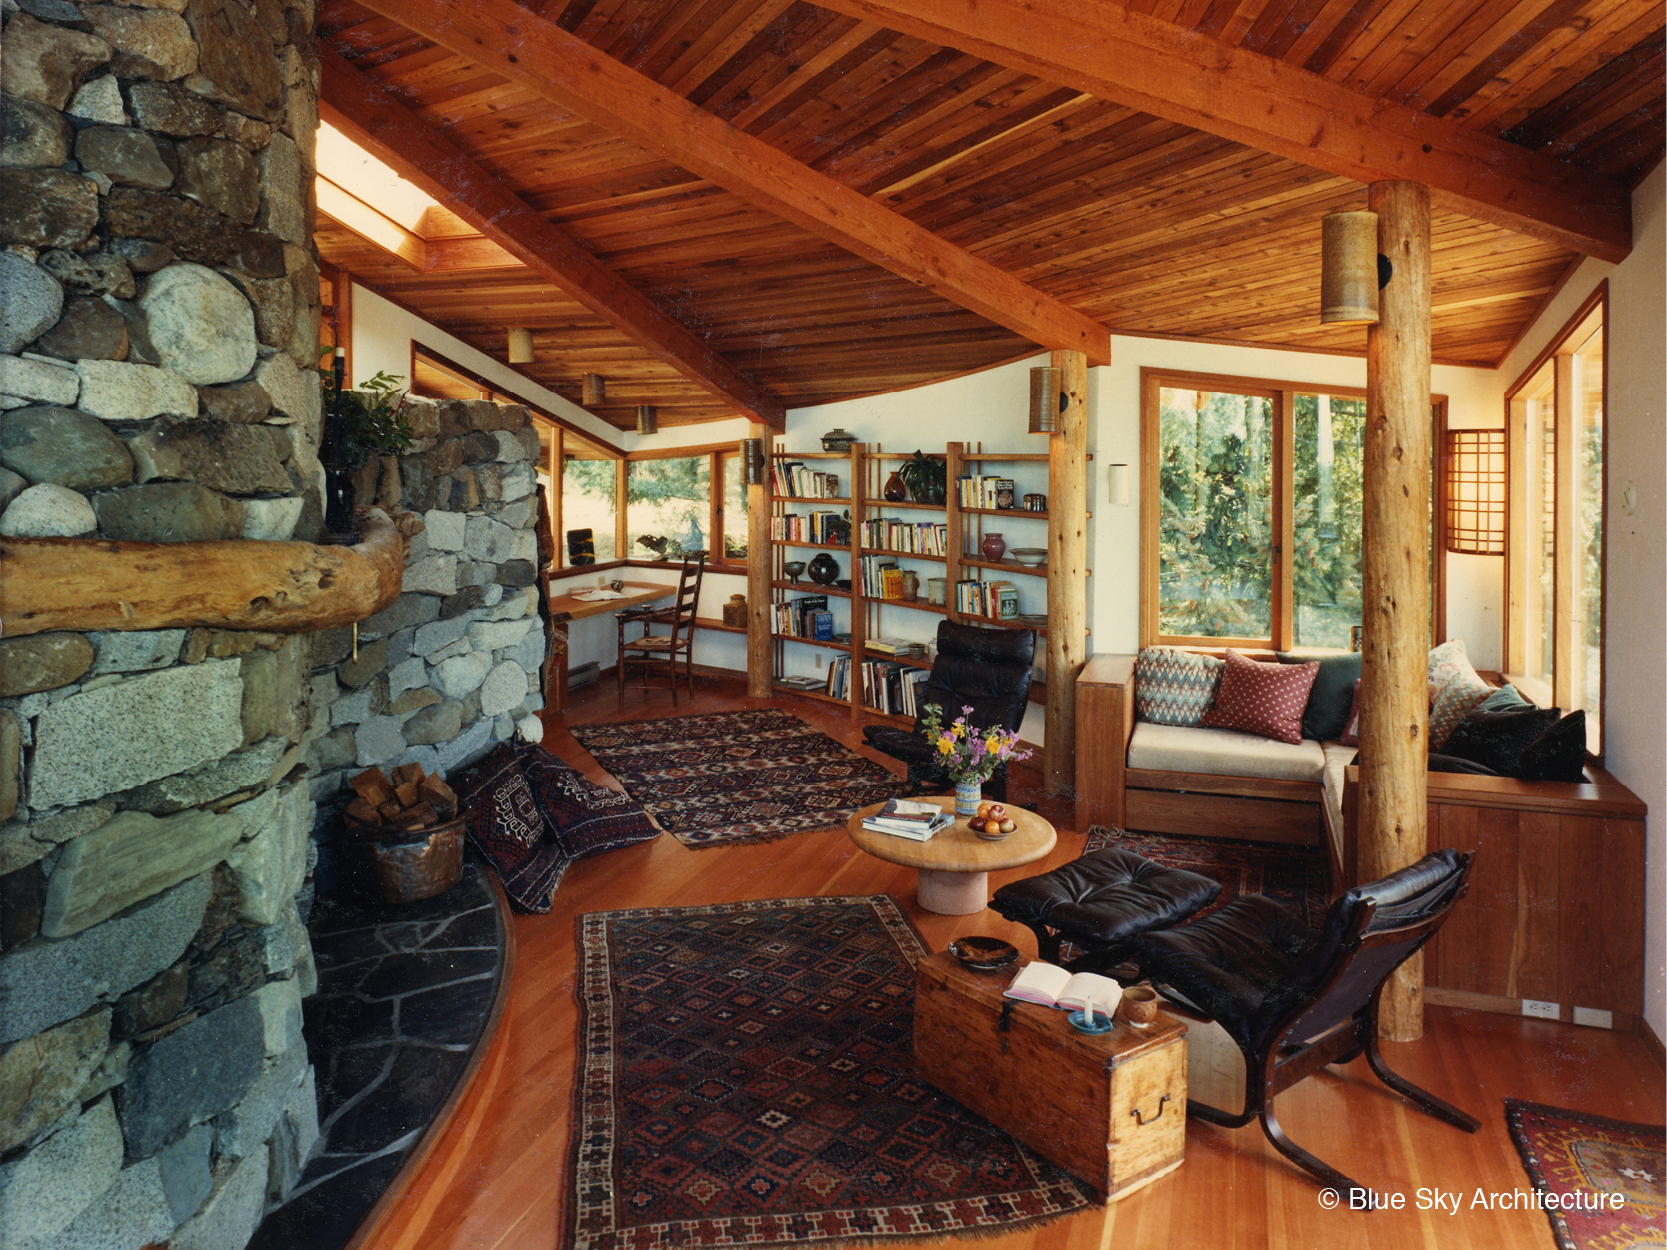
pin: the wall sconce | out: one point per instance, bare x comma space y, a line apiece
1349, 278
648, 419
1046, 400
1474, 464
595, 391
752, 461
520, 347
1117, 484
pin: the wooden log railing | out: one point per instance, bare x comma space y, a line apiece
283, 587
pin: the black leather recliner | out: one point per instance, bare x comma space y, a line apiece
1294, 999
987, 670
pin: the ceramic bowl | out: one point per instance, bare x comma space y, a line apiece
794, 569
1030, 557
983, 952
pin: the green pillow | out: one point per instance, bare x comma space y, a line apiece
1327, 713
1505, 699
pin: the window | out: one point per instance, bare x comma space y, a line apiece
1252, 531
668, 505
1554, 561
589, 499
732, 512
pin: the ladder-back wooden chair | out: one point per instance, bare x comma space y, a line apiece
654, 652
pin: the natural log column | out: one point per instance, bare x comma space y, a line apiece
760, 560
1395, 574
1067, 571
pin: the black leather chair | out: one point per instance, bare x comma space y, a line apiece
1099, 903
1294, 999
987, 670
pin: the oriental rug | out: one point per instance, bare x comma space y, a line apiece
1297, 876
1583, 1165
737, 776
747, 1080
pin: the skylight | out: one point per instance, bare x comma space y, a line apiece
362, 175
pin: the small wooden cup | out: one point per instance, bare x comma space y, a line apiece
1138, 1006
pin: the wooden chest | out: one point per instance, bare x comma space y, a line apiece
1110, 1109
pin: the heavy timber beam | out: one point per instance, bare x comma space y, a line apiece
380, 124
1145, 63
1395, 574
1067, 572
501, 36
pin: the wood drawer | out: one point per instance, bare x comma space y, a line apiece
1110, 1109
1224, 816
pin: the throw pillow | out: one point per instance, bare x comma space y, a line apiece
1329, 702
1350, 737
1453, 764
1174, 687
584, 818
1505, 699
1498, 739
1264, 699
1559, 754
506, 827
1455, 690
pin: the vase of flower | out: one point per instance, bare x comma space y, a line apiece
967, 795
969, 753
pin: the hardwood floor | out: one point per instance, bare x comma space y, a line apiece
1233, 1190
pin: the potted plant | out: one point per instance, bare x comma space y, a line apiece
926, 478
368, 421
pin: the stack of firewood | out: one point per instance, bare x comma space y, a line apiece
406, 803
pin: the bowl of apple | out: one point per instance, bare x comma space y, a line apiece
992, 823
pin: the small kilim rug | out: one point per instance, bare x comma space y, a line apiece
1581, 1164
748, 1081
1297, 876
737, 776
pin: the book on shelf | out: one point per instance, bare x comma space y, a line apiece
796, 617
821, 626
1052, 986
1004, 492
894, 646
801, 681
913, 680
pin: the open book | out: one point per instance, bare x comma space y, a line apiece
1052, 986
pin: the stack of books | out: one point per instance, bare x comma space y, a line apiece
906, 818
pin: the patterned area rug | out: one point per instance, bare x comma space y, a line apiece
748, 1080
1586, 1163
1294, 875
737, 776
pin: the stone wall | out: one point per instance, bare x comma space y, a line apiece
452, 667
158, 310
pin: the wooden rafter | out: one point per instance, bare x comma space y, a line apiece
1142, 62
380, 124
540, 56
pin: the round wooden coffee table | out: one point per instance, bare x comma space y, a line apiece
952, 870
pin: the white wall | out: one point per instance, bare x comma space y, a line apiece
1635, 575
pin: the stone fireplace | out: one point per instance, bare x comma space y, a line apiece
159, 318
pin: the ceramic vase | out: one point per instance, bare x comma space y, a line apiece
911, 585
824, 569
967, 795
894, 490
993, 547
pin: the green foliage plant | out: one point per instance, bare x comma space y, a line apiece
926, 478
372, 416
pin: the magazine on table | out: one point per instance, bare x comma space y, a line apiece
907, 818
1052, 986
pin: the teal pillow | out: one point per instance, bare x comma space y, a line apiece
1505, 699
1327, 713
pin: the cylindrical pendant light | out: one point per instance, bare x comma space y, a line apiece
648, 419
595, 391
1349, 268
1046, 403
752, 461
520, 346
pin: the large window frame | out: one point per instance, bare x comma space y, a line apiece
1282, 395
1545, 526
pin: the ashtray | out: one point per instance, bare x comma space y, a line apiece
983, 952
1082, 1023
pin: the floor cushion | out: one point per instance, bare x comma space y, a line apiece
505, 825
584, 818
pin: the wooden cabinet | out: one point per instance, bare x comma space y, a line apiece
1111, 1108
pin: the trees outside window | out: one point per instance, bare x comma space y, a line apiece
1251, 535
589, 500
669, 503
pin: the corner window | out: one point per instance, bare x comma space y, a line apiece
1554, 561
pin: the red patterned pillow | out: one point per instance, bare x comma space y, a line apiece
1265, 699
504, 822
1351, 731
584, 818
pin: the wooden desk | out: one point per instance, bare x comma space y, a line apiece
952, 869
567, 607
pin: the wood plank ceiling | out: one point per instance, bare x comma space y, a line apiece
1143, 225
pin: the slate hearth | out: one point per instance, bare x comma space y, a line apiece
404, 994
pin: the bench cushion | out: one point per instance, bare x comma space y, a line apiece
1223, 753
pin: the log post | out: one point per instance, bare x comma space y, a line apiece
1395, 573
1067, 571
760, 560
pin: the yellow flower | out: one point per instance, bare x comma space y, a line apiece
960, 730
992, 744
946, 745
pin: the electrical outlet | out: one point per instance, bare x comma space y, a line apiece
1542, 1010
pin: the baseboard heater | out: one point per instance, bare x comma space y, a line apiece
583, 674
